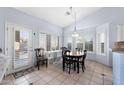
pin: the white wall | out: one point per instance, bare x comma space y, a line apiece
16, 17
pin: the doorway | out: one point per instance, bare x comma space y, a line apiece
18, 46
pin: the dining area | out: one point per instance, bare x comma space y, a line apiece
57, 56
73, 60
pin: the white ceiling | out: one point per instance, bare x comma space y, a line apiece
57, 15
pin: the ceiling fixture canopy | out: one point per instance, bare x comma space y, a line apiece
72, 12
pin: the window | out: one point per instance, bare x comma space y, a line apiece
43, 41
89, 46
100, 47
48, 42
54, 42
69, 46
80, 46
86, 40
102, 41
21, 44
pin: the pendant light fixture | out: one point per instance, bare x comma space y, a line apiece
73, 13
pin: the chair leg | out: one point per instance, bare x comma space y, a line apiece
77, 67
63, 66
83, 67
38, 65
74, 66
69, 68
46, 62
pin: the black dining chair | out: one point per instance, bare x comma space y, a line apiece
67, 61
85, 55
82, 61
63, 50
40, 57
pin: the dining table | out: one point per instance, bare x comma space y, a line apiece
75, 57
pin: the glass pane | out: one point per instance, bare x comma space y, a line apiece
21, 48
69, 46
42, 41
80, 46
54, 42
102, 47
89, 46
48, 42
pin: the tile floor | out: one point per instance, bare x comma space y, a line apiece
53, 75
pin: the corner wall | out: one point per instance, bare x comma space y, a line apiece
112, 15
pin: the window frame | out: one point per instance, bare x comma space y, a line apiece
49, 41
98, 42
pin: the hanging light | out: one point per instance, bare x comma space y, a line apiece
73, 13
75, 34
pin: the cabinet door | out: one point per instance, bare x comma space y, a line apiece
116, 68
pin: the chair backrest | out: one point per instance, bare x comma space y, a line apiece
76, 49
0, 50
66, 51
63, 50
65, 57
85, 54
39, 52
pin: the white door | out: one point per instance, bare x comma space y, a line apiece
18, 44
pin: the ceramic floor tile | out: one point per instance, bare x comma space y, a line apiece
107, 82
33, 79
40, 82
86, 76
6, 82
54, 82
69, 82
99, 70
30, 75
47, 78
20, 80
97, 75
94, 83
9, 77
43, 74
82, 81
61, 77
108, 78
22, 83
108, 73
74, 76
97, 80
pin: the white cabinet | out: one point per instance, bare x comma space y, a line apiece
118, 68
120, 32
53, 55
